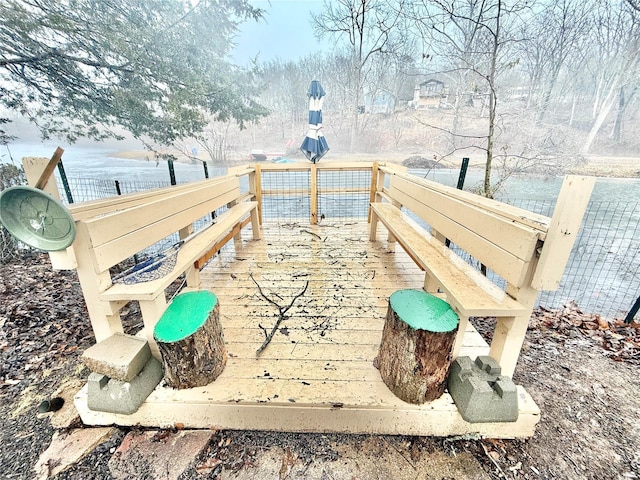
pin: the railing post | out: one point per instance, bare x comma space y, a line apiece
314, 194
374, 187
255, 187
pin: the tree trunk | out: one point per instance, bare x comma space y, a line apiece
493, 100
573, 109
616, 133
414, 361
607, 104
624, 102
190, 339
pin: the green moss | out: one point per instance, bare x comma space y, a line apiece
185, 315
422, 311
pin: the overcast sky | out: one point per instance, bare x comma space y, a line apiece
285, 32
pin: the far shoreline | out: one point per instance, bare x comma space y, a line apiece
595, 165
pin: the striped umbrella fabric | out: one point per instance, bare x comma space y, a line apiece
314, 145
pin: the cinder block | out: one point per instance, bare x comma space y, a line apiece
119, 357
115, 396
479, 391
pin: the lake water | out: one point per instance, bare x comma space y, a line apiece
84, 162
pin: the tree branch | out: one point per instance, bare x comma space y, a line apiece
282, 314
449, 131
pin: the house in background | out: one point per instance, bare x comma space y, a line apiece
379, 101
429, 94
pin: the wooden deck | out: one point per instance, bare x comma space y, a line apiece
317, 374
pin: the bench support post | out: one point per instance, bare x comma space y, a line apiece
255, 187
151, 311
373, 191
462, 329
193, 277
373, 225
105, 321
255, 224
509, 334
430, 284
237, 237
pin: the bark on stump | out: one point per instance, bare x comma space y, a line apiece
190, 339
416, 347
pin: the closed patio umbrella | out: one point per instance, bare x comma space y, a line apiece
314, 145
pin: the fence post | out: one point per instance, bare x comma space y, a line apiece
172, 173
460, 186
118, 187
206, 169
463, 173
633, 311
65, 182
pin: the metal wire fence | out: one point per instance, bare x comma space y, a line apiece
86, 189
602, 276
285, 198
344, 194
603, 273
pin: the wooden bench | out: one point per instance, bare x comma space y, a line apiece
528, 251
113, 230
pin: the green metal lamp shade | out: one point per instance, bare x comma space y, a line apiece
37, 219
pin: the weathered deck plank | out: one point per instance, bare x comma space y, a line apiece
317, 374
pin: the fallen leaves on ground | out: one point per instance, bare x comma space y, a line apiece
620, 340
288, 461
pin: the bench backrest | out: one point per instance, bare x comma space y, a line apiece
116, 236
93, 208
522, 247
503, 238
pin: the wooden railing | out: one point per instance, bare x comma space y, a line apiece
313, 187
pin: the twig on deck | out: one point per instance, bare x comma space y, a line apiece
311, 233
283, 311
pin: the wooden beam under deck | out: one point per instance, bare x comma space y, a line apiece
317, 374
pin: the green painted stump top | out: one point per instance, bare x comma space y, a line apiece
422, 311
186, 314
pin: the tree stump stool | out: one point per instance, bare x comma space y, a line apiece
190, 339
416, 347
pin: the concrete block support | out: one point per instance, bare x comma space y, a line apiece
115, 396
480, 392
120, 357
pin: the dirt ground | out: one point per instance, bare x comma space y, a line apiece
580, 369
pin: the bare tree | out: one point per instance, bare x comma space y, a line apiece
215, 141
553, 35
284, 93
366, 27
452, 34
472, 40
617, 60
